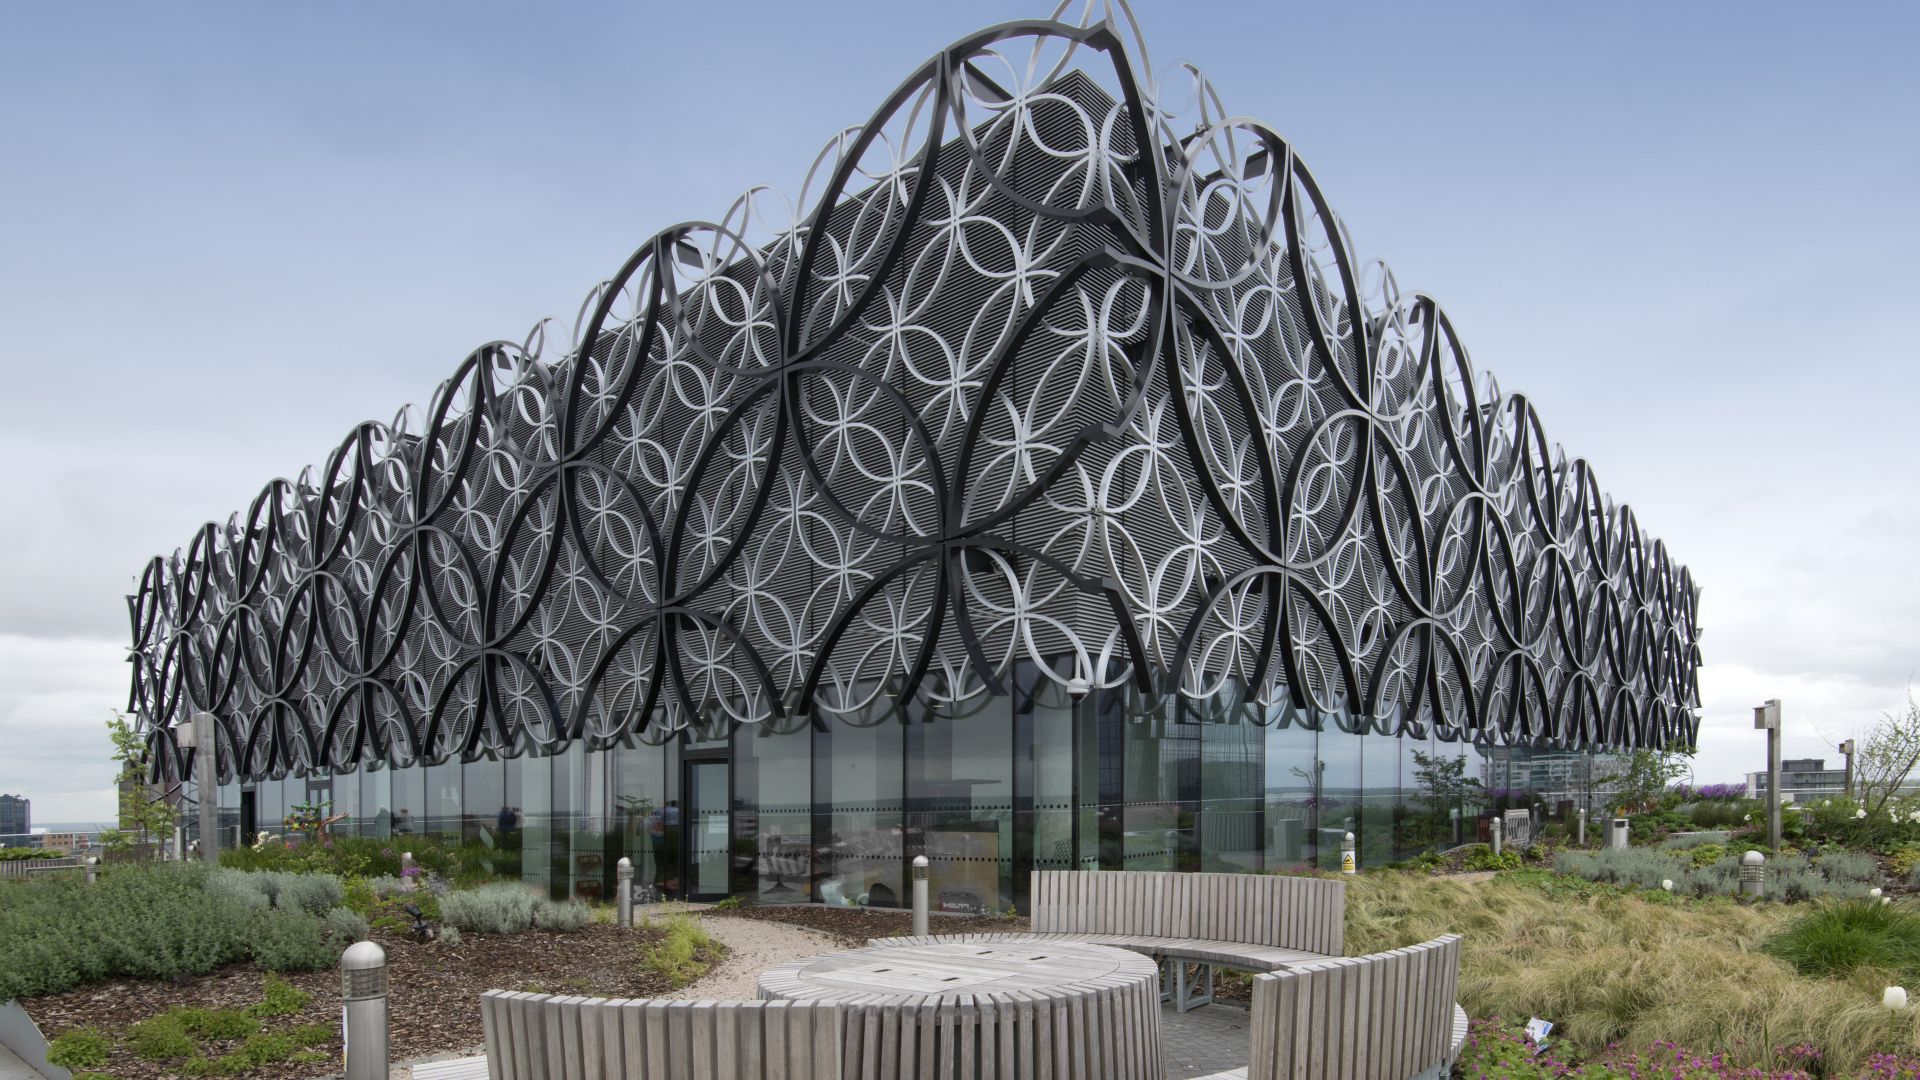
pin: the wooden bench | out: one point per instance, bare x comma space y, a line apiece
1249, 922
1388, 1016
546, 1037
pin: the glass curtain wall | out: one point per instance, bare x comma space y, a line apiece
859, 777
960, 798
773, 815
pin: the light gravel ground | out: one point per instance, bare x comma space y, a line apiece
753, 945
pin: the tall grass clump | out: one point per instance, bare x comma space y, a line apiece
684, 954
1837, 940
1619, 967
490, 909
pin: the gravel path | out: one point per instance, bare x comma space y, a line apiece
753, 946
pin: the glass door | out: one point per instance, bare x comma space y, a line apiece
707, 830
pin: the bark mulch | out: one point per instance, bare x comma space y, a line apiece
434, 1004
852, 927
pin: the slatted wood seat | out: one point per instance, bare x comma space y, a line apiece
545, 1037
1249, 922
1388, 1016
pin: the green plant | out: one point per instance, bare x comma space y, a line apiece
278, 997
684, 954
561, 917
79, 1048
489, 909
1834, 940
160, 1038
450, 936
731, 903
347, 925
1480, 858
142, 815
291, 941
22, 854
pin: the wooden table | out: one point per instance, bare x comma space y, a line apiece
993, 1011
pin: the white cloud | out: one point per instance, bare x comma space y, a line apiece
56, 695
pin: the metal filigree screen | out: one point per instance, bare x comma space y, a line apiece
1048, 362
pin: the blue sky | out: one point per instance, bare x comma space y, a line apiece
1687, 231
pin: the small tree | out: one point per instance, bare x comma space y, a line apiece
1888, 755
141, 818
1641, 780
1444, 783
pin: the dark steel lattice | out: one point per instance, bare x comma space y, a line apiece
1053, 365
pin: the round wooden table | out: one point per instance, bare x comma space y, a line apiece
986, 1009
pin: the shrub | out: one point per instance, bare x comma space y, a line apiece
291, 941
347, 926
1834, 940
490, 909
79, 1048
450, 936
315, 894
561, 917
1688, 841
22, 854
1480, 857
1839, 864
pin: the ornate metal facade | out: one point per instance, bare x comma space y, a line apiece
1049, 362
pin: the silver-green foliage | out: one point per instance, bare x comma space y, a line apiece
562, 917
315, 894
501, 908
1840, 874
347, 925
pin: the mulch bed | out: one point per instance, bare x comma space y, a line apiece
434, 1003
852, 927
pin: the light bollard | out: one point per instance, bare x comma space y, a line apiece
1349, 862
623, 890
1753, 874
363, 977
920, 901
1580, 827
1498, 832
93, 869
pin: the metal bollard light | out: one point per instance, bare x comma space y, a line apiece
1349, 862
363, 1016
1580, 827
920, 901
1497, 831
1753, 874
93, 869
623, 890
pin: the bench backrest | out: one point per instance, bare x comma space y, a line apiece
1388, 1016
1255, 909
546, 1037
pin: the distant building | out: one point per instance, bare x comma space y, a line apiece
1801, 779
16, 819
70, 842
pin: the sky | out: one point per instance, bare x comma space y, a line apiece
232, 230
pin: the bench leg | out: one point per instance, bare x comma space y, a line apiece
1185, 996
1168, 976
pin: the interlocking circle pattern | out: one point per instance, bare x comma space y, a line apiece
1050, 361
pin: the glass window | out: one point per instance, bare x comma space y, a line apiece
1339, 798
410, 801
1161, 764
1232, 785
443, 800
484, 812
773, 812
536, 822
960, 793
376, 802
346, 800
639, 812
1052, 710
859, 776
1294, 777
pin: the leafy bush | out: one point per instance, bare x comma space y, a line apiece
1842, 865
347, 925
1480, 857
313, 893
351, 856
291, 941
161, 1038
561, 917
490, 909
1789, 877
1725, 814
1835, 940
1688, 841
79, 1048
21, 854
450, 936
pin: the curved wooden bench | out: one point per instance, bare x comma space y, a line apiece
1388, 1016
1249, 922
547, 1037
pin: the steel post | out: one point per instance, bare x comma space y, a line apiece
920, 900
